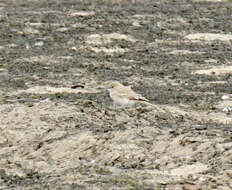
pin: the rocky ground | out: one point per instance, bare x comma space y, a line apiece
176, 53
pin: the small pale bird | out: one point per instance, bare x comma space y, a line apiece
124, 95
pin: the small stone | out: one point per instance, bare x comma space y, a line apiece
214, 186
73, 48
200, 127
225, 96
227, 109
172, 131
30, 104
40, 43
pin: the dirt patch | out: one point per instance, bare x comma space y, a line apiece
220, 70
59, 129
209, 37
107, 38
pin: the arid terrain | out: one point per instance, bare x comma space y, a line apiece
58, 126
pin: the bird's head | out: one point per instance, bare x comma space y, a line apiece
112, 85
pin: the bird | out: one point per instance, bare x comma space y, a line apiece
124, 96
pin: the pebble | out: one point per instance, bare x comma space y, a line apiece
226, 96
40, 43
200, 127
227, 109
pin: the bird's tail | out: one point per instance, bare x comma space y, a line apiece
148, 104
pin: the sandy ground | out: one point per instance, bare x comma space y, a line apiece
175, 53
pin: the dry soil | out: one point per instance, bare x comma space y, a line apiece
176, 53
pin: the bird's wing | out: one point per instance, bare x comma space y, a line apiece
138, 97
127, 92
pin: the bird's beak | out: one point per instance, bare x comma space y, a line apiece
102, 87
